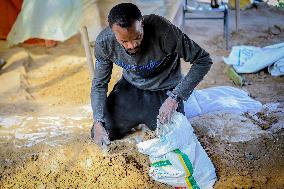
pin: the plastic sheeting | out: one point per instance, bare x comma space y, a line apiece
176, 156
250, 59
223, 98
47, 19
277, 69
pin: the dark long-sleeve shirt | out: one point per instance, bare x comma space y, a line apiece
155, 67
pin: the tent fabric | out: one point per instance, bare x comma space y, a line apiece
9, 10
47, 19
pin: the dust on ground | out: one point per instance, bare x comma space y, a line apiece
45, 118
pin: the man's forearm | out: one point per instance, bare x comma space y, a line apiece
98, 99
192, 79
190, 52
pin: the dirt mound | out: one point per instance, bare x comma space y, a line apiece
78, 163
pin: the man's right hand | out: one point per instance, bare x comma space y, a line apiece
99, 134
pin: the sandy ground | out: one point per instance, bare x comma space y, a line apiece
45, 118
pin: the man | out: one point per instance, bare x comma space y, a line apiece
148, 49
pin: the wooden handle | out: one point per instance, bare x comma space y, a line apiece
86, 43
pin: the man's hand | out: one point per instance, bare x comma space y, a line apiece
99, 134
167, 109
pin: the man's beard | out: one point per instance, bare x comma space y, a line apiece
132, 51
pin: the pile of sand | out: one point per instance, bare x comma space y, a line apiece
76, 164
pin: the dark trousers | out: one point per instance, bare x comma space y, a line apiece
128, 106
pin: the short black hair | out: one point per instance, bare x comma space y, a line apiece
124, 15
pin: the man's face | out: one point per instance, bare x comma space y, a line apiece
130, 38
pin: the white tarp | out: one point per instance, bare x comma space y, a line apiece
277, 69
250, 59
223, 98
177, 157
47, 19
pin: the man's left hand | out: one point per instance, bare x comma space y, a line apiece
167, 109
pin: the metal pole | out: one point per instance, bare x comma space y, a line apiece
237, 3
226, 26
